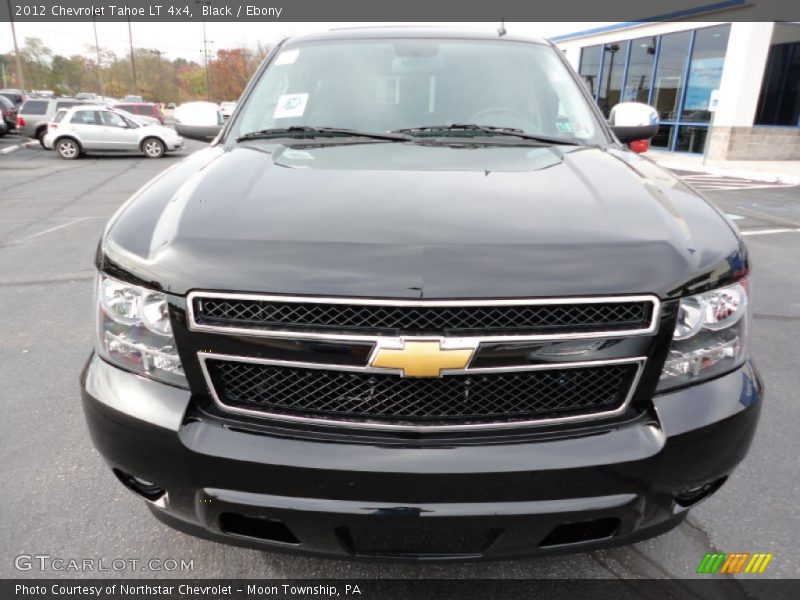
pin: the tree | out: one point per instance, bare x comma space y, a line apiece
35, 58
192, 82
231, 69
159, 79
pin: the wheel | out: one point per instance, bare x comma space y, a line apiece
40, 136
68, 149
153, 148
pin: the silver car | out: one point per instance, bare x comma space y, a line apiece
36, 113
91, 128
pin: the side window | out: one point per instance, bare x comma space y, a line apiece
67, 104
112, 119
83, 117
34, 107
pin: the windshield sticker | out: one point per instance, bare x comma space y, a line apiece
287, 57
564, 127
291, 105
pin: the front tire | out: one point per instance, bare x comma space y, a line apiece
153, 148
68, 149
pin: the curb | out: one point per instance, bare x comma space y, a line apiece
728, 172
10, 149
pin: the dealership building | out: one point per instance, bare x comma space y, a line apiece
730, 89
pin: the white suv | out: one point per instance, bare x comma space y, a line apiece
88, 128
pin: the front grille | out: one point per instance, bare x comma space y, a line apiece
465, 319
452, 399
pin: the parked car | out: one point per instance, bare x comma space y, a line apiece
198, 120
36, 113
52, 125
98, 128
86, 96
171, 105
227, 108
8, 114
16, 96
133, 98
148, 112
455, 319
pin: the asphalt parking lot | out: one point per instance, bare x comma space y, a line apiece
61, 500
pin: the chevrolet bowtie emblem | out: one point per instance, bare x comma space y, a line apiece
421, 359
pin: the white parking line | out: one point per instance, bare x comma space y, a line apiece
48, 219
772, 231
51, 230
709, 182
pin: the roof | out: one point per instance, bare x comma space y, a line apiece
86, 106
414, 32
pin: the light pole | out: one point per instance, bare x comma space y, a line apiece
205, 56
20, 78
157, 91
205, 51
133, 60
99, 66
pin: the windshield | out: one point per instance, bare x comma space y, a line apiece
131, 118
386, 85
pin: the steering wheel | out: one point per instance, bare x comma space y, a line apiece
499, 116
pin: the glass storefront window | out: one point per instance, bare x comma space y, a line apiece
640, 70
705, 71
669, 74
779, 103
663, 137
681, 88
609, 93
590, 67
691, 138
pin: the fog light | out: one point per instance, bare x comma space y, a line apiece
142, 487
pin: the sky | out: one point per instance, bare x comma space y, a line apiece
185, 40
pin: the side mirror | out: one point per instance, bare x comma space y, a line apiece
201, 133
633, 122
198, 121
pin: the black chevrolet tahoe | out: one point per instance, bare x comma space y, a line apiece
420, 300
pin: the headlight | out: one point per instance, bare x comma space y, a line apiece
709, 338
134, 331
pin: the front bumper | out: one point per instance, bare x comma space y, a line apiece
410, 498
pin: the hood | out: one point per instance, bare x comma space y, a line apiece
422, 221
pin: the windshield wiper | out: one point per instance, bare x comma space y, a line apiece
308, 131
488, 130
